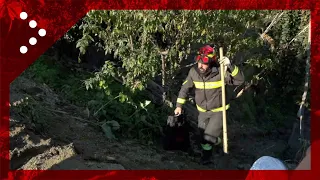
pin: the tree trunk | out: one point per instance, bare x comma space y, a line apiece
163, 76
306, 85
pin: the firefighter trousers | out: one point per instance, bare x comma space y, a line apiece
210, 126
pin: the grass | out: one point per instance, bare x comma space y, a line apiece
63, 81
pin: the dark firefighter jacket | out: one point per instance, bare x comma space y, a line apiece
208, 91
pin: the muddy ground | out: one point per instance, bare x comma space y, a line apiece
65, 139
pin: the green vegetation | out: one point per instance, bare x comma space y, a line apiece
142, 40
114, 105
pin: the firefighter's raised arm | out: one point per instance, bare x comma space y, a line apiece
234, 75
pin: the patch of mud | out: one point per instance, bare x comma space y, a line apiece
24, 144
50, 157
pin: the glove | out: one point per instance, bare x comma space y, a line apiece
225, 61
178, 111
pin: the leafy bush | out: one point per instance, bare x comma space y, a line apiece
111, 104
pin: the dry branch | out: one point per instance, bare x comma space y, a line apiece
306, 85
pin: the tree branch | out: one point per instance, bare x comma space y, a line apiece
273, 22
306, 85
299, 33
131, 43
248, 85
264, 36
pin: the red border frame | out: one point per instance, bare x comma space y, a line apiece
58, 17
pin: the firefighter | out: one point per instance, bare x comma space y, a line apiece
206, 79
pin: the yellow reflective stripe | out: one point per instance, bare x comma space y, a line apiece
184, 82
181, 101
207, 85
220, 108
200, 109
213, 110
235, 71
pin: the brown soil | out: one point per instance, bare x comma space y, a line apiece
63, 138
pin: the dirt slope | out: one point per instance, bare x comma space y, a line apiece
49, 133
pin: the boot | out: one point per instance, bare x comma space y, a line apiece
206, 157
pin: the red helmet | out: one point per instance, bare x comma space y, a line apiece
206, 55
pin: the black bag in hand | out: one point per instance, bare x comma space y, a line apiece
176, 133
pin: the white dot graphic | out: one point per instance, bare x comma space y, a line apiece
33, 24
42, 32
23, 49
33, 41
23, 15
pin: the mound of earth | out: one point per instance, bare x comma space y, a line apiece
46, 132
